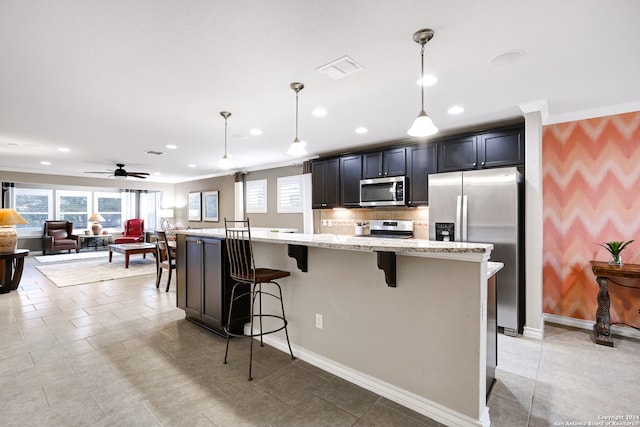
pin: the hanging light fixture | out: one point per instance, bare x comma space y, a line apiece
225, 163
297, 148
423, 125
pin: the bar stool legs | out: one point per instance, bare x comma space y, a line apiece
256, 292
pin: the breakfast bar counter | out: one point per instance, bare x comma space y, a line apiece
421, 342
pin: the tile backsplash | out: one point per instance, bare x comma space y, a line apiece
343, 221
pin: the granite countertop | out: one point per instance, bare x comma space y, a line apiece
419, 247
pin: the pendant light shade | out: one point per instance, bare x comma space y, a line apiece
297, 148
225, 163
423, 125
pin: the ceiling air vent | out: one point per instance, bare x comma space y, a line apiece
157, 153
340, 68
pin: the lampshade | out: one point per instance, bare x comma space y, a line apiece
96, 217
225, 163
297, 148
423, 125
8, 234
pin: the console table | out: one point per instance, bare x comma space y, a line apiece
93, 240
603, 271
11, 265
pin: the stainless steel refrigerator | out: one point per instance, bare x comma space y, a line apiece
485, 206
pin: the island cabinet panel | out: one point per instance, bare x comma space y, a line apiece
384, 163
204, 285
421, 161
325, 179
350, 176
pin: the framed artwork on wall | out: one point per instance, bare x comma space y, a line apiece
195, 211
210, 199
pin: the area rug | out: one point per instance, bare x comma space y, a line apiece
72, 257
80, 273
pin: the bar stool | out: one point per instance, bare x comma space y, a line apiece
249, 282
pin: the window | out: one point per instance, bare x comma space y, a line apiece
109, 205
290, 194
35, 206
73, 206
257, 196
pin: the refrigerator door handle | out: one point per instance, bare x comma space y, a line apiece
464, 218
458, 224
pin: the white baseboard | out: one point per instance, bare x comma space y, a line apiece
622, 331
403, 397
533, 333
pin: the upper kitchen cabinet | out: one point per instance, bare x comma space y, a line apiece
457, 153
421, 161
325, 183
500, 147
350, 175
384, 163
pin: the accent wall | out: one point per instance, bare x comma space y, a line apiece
591, 194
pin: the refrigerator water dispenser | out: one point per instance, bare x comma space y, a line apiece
445, 231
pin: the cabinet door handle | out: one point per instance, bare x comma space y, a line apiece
474, 164
482, 163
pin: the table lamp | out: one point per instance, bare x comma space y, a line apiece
96, 218
8, 234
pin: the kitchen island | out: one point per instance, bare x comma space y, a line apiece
406, 319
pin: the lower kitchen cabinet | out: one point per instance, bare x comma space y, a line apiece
204, 285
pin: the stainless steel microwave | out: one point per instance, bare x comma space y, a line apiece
383, 191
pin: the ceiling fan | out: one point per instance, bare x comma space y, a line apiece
121, 173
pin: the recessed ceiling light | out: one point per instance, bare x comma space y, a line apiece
507, 57
361, 130
171, 146
63, 149
156, 173
191, 165
427, 80
44, 162
456, 109
319, 112
256, 132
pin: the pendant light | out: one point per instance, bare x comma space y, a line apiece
423, 125
296, 148
225, 163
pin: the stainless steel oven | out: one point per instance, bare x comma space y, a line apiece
383, 191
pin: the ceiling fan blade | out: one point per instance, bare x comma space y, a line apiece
137, 175
108, 172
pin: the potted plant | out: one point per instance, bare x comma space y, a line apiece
615, 248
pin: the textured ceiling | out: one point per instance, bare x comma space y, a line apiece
111, 79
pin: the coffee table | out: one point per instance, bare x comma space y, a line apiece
128, 249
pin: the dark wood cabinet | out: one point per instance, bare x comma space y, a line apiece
501, 147
421, 161
457, 153
325, 180
350, 176
204, 285
384, 163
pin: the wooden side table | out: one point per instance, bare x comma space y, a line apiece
603, 271
11, 265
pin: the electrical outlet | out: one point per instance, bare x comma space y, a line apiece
318, 321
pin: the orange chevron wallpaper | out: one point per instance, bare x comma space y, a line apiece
591, 194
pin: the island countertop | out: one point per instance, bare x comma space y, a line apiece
418, 247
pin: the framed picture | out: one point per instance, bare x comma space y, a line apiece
210, 199
195, 211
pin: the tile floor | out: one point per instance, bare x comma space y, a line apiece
120, 353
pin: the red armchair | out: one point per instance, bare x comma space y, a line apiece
133, 231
